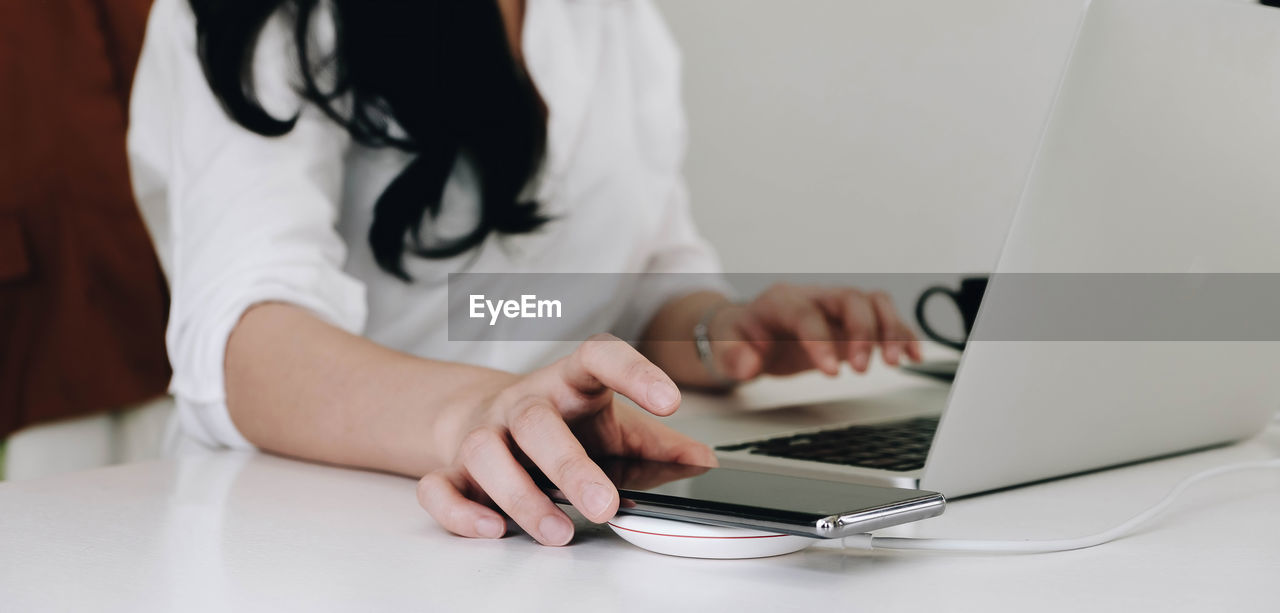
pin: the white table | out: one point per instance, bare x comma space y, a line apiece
237, 531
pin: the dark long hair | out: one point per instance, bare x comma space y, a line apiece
442, 70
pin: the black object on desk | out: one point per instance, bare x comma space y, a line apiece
967, 299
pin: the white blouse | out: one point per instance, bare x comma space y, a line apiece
240, 219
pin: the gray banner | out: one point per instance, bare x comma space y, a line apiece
1014, 307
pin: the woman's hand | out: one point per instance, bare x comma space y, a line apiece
556, 419
790, 329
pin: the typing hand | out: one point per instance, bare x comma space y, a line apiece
790, 329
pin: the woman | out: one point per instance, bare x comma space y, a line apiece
312, 171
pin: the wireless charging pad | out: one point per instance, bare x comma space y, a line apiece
689, 540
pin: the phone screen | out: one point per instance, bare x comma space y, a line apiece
754, 499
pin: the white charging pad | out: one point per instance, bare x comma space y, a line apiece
689, 540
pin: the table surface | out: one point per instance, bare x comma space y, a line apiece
244, 531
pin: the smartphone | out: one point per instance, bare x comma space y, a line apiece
760, 501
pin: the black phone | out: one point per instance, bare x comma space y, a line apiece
761, 501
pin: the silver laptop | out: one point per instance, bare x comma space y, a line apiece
1160, 156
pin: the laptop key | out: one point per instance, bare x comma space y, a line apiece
898, 446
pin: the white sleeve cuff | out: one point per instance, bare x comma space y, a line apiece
198, 339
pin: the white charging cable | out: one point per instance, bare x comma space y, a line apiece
867, 541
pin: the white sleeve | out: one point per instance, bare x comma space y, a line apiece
681, 260
237, 218
682, 263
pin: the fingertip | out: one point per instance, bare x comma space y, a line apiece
823, 356
861, 361
600, 502
915, 351
440, 497
830, 364
663, 398
698, 455
555, 531
491, 527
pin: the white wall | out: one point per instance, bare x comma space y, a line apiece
865, 136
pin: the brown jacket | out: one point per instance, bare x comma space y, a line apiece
82, 299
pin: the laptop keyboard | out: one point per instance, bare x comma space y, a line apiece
898, 445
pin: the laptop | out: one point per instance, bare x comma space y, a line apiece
1159, 156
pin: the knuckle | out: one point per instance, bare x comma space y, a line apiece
530, 415
852, 294
572, 466
775, 295
478, 441
594, 348
507, 398
600, 339
860, 305
524, 504
813, 322
860, 334
816, 333
885, 304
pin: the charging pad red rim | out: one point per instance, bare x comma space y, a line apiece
690, 540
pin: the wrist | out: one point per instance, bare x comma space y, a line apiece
702, 343
668, 341
465, 409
